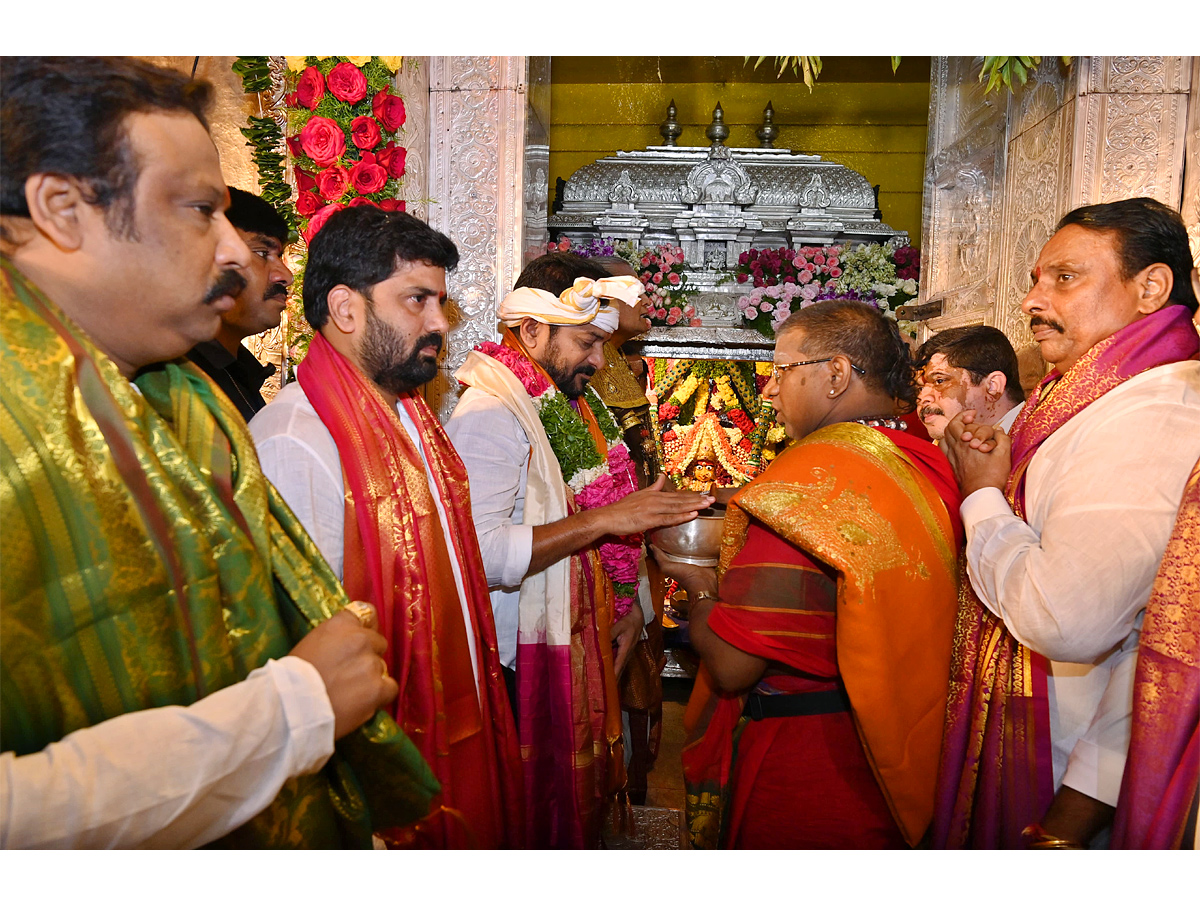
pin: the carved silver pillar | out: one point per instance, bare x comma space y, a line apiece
412, 84
1191, 173
1001, 169
480, 125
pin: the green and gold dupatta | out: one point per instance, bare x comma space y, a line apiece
148, 562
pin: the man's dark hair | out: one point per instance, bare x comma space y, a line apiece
363, 245
67, 115
979, 350
252, 213
865, 335
614, 265
1147, 232
555, 272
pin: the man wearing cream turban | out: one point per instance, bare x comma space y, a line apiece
552, 600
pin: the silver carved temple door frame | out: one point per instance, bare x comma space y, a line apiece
486, 167
1002, 169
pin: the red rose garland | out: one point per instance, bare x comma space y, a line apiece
364, 131
346, 82
344, 157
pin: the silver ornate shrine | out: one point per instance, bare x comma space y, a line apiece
717, 202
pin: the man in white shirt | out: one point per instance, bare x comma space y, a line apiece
971, 367
553, 606
1096, 466
138, 579
352, 440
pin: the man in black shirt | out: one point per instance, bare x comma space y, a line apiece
257, 308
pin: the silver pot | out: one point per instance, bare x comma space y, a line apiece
696, 543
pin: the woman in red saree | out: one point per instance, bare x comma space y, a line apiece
817, 717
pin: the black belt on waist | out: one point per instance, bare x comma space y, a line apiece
813, 703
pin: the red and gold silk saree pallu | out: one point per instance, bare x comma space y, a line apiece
848, 502
147, 562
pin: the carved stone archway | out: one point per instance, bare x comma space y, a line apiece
1002, 169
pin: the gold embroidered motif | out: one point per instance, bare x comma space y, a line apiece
849, 530
616, 384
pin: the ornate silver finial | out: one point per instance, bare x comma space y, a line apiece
670, 129
768, 132
717, 131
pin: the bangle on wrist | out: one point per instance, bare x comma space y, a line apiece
1041, 840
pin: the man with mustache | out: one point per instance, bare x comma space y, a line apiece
1066, 523
550, 558
258, 307
365, 465
167, 679
972, 367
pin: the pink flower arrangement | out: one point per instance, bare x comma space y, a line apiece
908, 263
661, 270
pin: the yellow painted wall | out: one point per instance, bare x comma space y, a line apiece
858, 114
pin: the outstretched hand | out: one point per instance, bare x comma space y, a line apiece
980, 455
652, 507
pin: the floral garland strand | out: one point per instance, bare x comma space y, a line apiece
594, 480
265, 139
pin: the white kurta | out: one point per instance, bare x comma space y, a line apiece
1072, 579
495, 449
1006, 422
173, 777
300, 457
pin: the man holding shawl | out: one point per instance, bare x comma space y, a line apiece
553, 493
1067, 523
366, 466
154, 582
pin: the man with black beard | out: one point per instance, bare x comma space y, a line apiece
347, 446
552, 493
258, 307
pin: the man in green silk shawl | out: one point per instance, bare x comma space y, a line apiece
154, 582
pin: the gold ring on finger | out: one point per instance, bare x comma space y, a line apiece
363, 611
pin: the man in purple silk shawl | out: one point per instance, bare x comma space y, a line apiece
1067, 523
